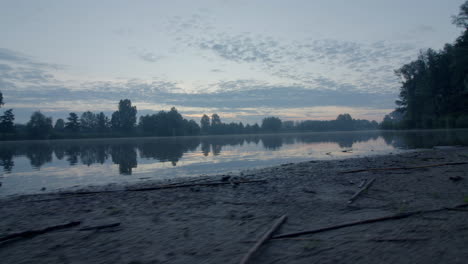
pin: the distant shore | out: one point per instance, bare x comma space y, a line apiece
217, 219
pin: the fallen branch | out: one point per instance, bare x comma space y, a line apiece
166, 186
398, 239
192, 185
99, 227
362, 183
362, 190
368, 221
341, 240
33, 233
263, 239
407, 168
458, 209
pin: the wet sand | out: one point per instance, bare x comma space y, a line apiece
219, 224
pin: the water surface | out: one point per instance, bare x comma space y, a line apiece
30, 166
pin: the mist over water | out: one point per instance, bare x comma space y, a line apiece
29, 166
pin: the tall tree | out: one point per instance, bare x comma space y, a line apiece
1, 99
7, 122
205, 124
88, 121
102, 122
73, 123
216, 124
461, 20
125, 118
215, 120
434, 87
39, 126
59, 125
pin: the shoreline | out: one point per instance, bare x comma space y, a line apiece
214, 224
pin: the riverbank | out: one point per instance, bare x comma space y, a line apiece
219, 223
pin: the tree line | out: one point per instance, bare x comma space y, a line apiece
434, 87
123, 123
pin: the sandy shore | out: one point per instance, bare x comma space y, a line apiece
218, 224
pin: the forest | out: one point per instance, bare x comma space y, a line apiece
124, 122
434, 87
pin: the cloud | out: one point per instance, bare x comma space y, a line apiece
235, 97
145, 55
10, 56
299, 60
123, 32
149, 57
423, 29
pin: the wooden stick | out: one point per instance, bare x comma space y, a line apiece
367, 221
398, 239
407, 168
362, 190
33, 233
192, 185
160, 187
362, 183
99, 227
263, 239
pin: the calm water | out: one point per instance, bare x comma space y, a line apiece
27, 167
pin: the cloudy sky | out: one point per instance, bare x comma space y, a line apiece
243, 59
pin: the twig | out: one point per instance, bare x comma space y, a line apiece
407, 168
263, 239
362, 190
367, 221
99, 227
33, 233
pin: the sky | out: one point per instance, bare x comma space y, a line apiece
242, 59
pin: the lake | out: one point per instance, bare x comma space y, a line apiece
31, 166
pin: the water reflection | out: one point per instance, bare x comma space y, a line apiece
126, 153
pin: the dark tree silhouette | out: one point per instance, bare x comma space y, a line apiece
7, 122
125, 118
102, 122
168, 124
205, 124
1, 100
88, 121
73, 123
39, 126
271, 124
434, 87
461, 20
59, 125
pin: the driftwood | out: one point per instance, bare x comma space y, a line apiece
363, 182
398, 240
166, 186
99, 227
362, 190
368, 221
263, 239
407, 168
403, 239
33, 233
192, 185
